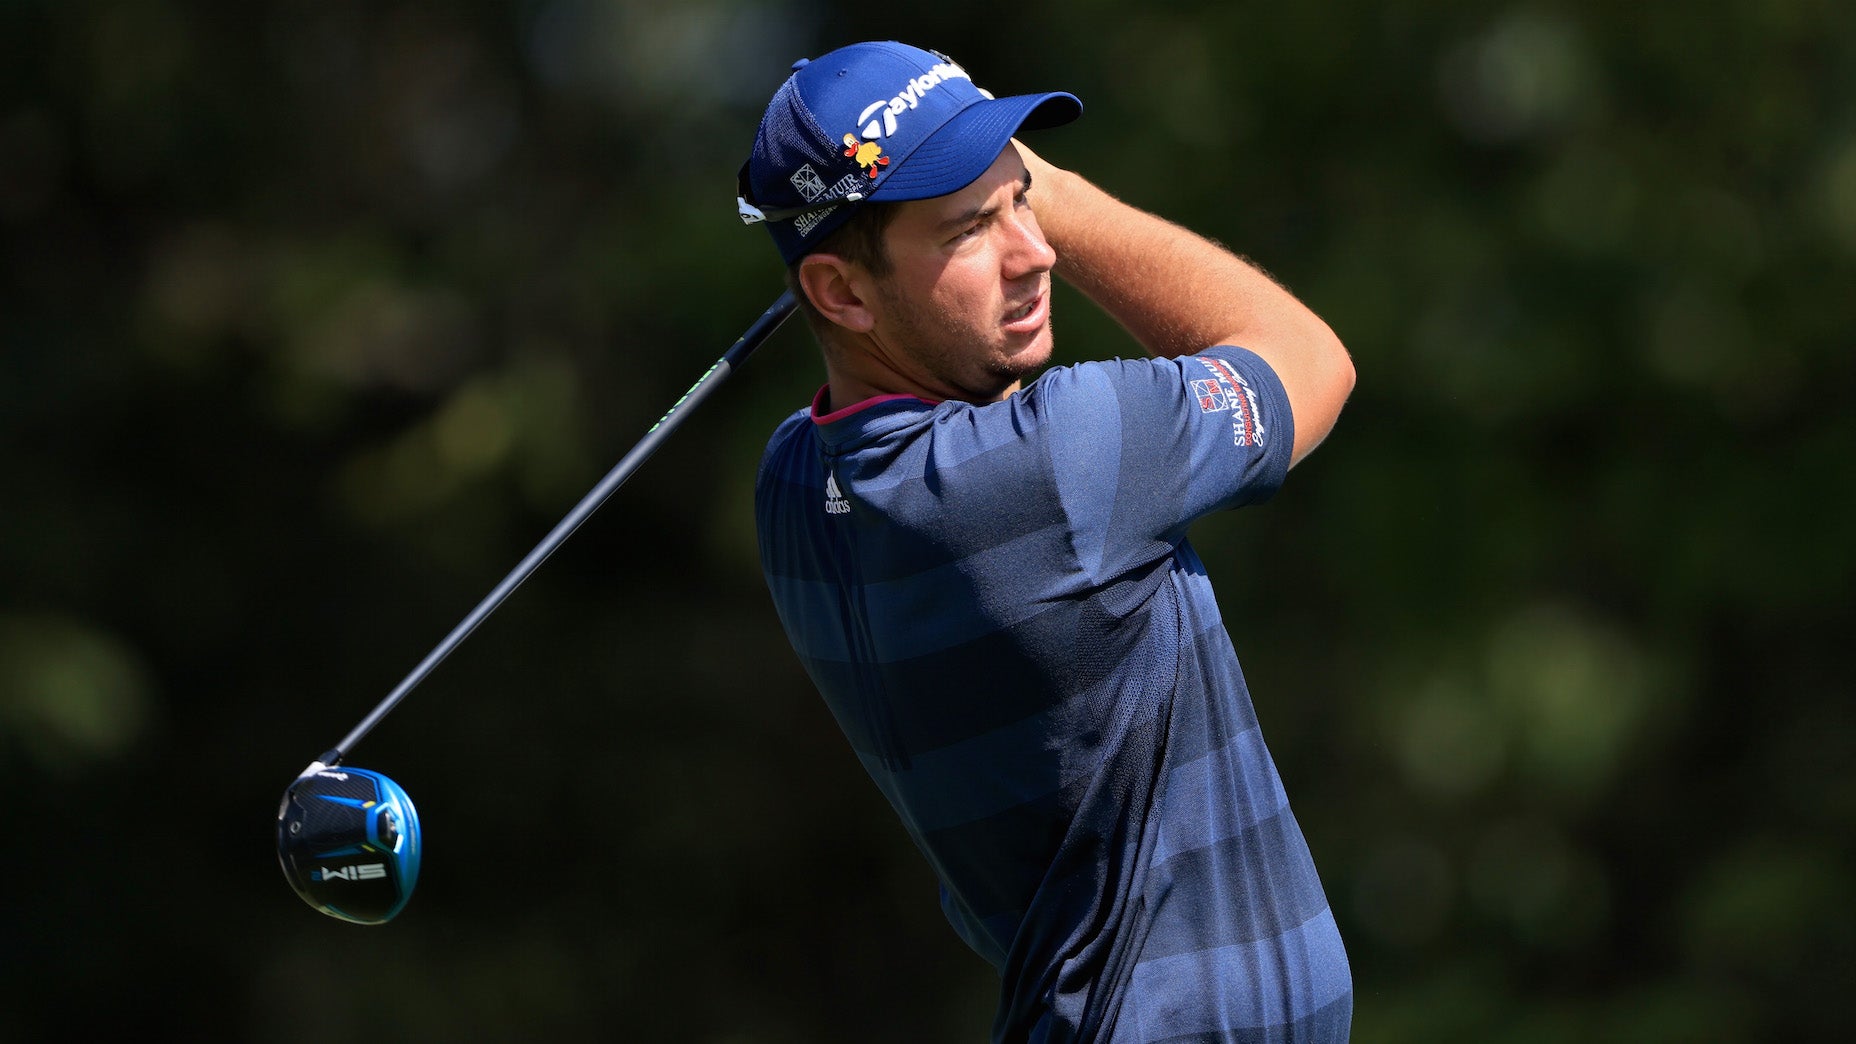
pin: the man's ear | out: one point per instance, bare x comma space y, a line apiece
840, 290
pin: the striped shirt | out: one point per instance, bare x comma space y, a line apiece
1001, 609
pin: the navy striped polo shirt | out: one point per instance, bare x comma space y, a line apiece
1000, 607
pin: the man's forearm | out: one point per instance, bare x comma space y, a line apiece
1177, 293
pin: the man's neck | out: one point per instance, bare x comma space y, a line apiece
849, 383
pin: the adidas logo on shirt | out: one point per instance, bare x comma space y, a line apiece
835, 504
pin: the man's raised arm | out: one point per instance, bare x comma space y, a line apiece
1179, 293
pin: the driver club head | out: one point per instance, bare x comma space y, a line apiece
348, 840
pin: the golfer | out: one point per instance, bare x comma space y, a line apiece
985, 571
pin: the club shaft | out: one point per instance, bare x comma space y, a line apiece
763, 327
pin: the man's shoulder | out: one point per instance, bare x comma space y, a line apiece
1102, 376
788, 435
1096, 372
800, 420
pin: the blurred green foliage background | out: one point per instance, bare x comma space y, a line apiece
317, 315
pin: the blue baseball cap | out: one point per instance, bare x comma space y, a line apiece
876, 122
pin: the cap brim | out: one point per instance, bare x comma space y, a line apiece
954, 156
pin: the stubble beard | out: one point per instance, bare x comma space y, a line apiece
945, 351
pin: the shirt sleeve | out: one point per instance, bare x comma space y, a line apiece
1139, 449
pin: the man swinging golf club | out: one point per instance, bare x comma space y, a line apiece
989, 580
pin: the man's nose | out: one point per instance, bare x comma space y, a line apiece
1027, 251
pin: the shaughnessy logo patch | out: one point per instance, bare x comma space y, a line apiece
1227, 389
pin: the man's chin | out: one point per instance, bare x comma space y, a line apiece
1013, 373
1028, 361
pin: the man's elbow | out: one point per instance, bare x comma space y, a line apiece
1334, 374
1344, 374
1330, 378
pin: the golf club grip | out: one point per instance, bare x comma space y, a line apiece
761, 329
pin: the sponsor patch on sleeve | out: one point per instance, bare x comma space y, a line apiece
1226, 389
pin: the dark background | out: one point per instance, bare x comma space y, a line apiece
317, 316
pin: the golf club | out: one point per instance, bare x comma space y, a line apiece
348, 839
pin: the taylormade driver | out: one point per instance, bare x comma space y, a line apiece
348, 839
349, 843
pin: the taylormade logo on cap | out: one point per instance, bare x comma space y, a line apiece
875, 122
891, 108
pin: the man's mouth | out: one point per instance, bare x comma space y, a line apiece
1024, 311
